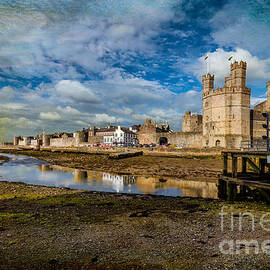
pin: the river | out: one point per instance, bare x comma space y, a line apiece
33, 171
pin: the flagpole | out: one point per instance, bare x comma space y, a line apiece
208, 64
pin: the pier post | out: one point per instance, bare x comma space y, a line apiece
234, 166
244, 165
225, 164
262, 166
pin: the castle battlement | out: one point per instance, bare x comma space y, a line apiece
208, 77
226, 90
235, 83
237, 65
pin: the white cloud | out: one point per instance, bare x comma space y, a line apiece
53, 116
190, 100
76, 91
257, 69
6, 93
255, 101
68, 110
12, 106
243, 24
104, 118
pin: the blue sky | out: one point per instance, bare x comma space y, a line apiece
68, 64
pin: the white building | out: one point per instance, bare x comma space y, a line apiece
120, 136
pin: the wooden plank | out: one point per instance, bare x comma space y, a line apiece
243, 181
253, 165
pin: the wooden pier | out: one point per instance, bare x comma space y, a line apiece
246, 167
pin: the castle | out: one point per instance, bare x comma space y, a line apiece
226, 118
226, 121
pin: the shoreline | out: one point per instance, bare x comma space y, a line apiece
44, 227
98, 230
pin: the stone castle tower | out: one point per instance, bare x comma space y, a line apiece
226, 111
191, 122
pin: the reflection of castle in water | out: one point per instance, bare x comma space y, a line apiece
146, 185
118, 181
149, 185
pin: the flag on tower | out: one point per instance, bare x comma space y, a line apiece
229, 59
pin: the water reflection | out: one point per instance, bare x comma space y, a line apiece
138, 184
231, 191
33, 171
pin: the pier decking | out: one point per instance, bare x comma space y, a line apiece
253, 169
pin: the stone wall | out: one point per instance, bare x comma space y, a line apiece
184, 139
257, 121
62, 142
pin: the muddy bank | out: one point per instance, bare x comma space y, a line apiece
54, 228
190, 167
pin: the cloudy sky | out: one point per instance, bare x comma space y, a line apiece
67, 64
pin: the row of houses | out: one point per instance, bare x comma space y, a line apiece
107, 136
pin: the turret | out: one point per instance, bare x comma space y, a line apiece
208, 83
79, 137
238, 74
45, 140
16, 140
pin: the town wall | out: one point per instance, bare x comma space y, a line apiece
62, 142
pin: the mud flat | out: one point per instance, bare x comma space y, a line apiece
56, 228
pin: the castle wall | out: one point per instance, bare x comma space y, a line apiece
148, 137
257, 124
262, 107
62, 142
184, 139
